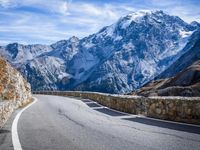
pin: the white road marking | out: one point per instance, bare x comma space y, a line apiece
15, 137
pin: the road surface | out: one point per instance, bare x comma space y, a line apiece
60, 123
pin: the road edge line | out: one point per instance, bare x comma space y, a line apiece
15, 136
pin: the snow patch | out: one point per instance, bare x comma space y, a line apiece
185, 34
88, 45
135, 16
118, 38
109, 31
128, 46
63, 75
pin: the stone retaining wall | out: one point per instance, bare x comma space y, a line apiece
182, 109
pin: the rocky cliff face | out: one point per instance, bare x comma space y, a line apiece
185, 83
182, 78
13, 87
14, 91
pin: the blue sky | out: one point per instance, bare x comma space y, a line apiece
47, 21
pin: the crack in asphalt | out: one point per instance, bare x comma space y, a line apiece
70, 119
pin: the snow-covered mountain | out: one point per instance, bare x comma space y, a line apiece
191, 55
117, 59
182, 78
18, 53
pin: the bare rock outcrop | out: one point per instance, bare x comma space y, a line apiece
15, 91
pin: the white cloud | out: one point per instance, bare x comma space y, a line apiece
164, 3
95, 17
64, 8
61, 19
90, 10
80, 21
187, 10
56, 6
186, 13
5, 3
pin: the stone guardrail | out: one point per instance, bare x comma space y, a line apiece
181, 109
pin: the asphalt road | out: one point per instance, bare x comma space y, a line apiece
60, 123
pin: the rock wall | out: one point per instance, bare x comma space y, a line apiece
14, 91
6, 109
182, 109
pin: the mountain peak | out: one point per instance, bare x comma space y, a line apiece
73, 39
139, 16
13, 44
195, 24
134, 16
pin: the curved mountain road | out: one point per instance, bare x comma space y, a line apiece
62, 123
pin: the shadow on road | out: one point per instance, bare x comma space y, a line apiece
86, 100
99, 108
147, 121
93, 105
110, 112
4, 131
169, 125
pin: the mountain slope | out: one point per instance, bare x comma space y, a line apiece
117, 59
185, 83
18, 53
147, 48
192, 54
